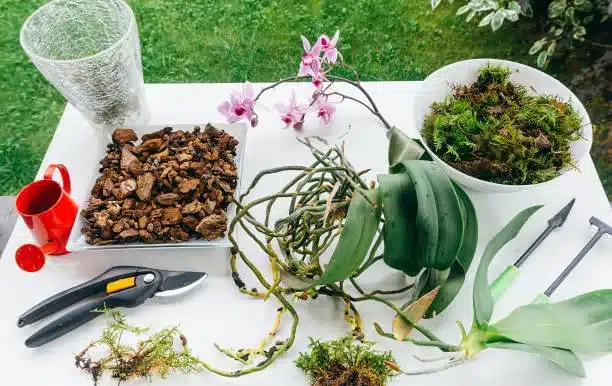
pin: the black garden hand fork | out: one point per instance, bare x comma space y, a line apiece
602, 228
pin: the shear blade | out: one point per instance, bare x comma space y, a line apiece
176, 283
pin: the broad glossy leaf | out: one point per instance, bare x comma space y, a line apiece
358, 232
581, 324
537, 46
470, 233
541, 61
463, 9
399, 207
414, 312
551, 48
453, 283
483, 301
438, 220
450, 282
511, 15
564, 358
486, 20
498, 19
514, 6
402, 147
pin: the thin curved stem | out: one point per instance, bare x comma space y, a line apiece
391, 292
357, 286
259, 176
344, 96
418, 342
351, 69
367, 95
259, 94
374, 110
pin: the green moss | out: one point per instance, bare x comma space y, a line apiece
491, 75
345, 362
493, 130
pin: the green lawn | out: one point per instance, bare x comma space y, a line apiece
224, 41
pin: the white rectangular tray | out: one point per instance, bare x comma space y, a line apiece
77, 241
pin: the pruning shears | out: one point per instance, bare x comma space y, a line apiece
122, 286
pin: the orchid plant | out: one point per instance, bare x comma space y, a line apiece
317, 62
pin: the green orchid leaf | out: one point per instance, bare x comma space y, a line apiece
564, 358
439, 224
470, 233
483, 301
402, 147
429, 235
581, 324
425, 156
399, 233
456, 277
451, 282
358, 232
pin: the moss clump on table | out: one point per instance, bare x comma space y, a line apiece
493, 130
345, 362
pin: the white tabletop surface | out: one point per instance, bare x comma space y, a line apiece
217, 312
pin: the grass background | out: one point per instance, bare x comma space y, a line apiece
232, 41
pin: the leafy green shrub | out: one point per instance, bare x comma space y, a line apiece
566, 21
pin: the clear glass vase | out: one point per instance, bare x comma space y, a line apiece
90, 51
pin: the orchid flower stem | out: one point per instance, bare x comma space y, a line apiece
351, 69
373, 109
263, 90
344, 96
367, 95
320, 94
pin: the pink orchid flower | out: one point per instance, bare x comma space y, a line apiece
325, 109
317, 80
329, 46
311, 63
241, 105
292, 113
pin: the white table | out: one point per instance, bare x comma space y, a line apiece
216, 312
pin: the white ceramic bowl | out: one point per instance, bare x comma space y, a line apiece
437, 87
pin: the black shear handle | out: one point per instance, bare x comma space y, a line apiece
66, 298
86, 311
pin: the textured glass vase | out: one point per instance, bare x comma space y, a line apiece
90, 51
